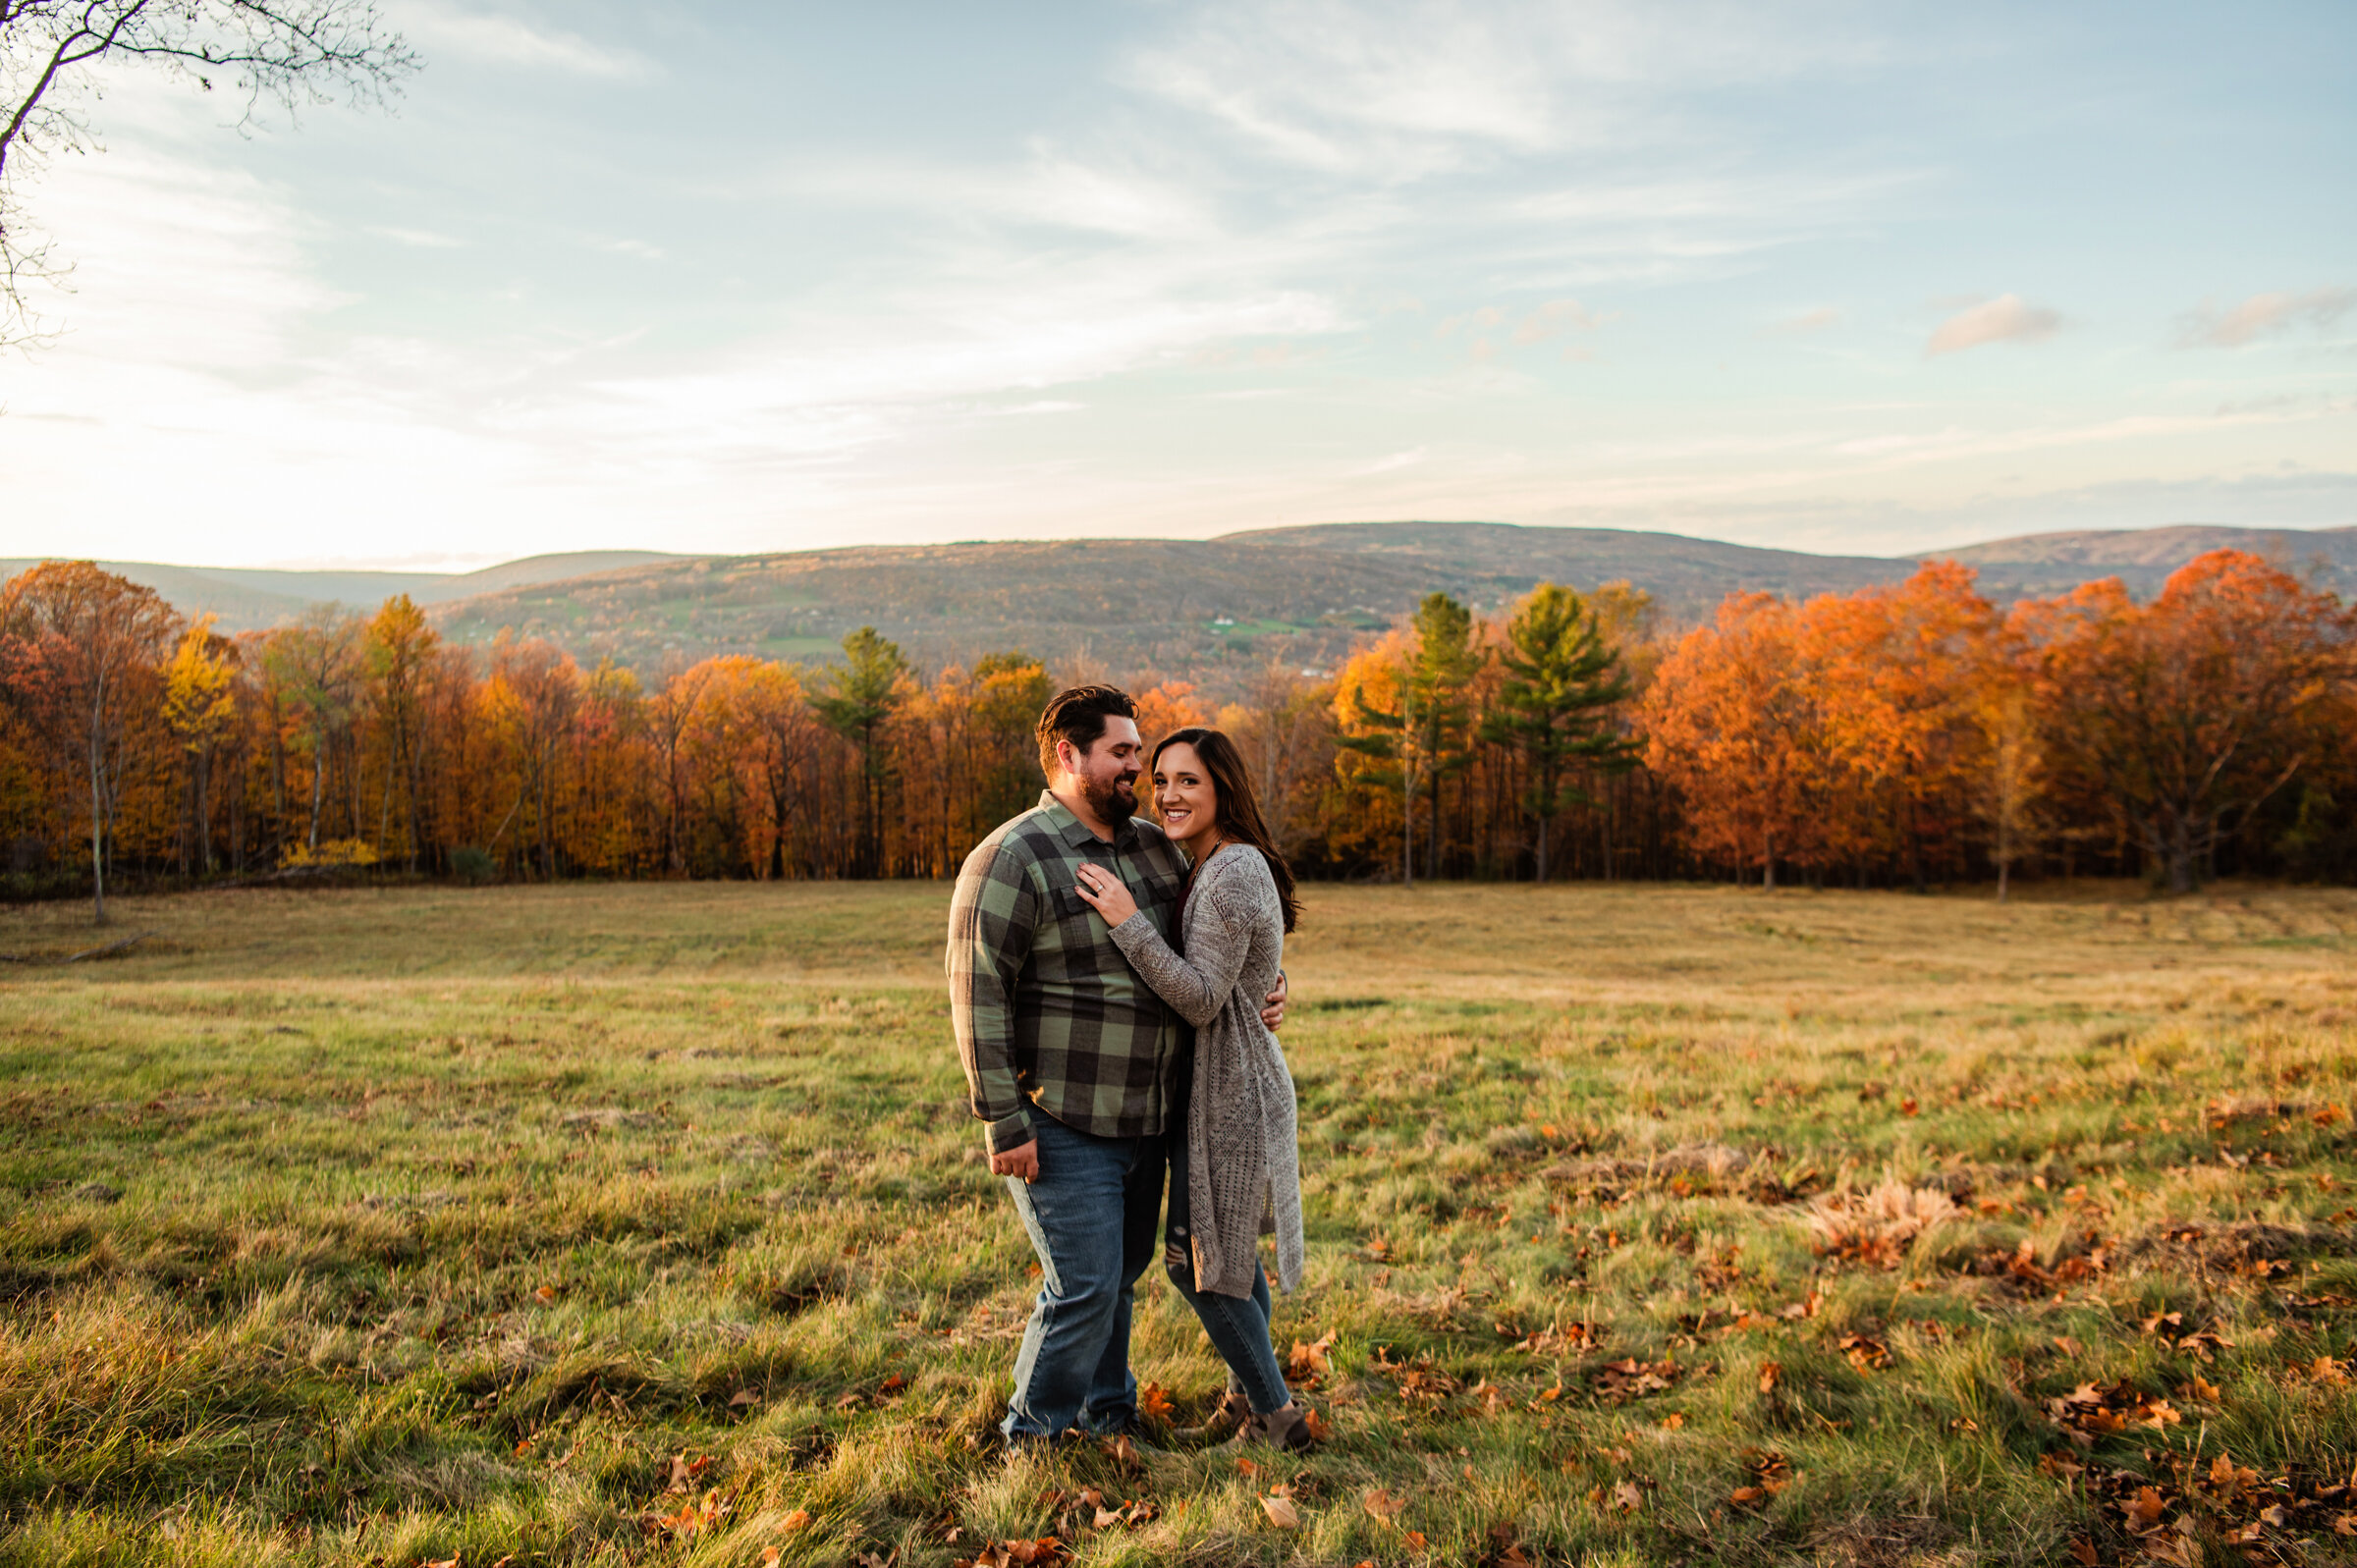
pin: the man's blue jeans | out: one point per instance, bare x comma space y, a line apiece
1091, 1215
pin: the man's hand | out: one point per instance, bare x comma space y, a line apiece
1273, 1013
1020, 1161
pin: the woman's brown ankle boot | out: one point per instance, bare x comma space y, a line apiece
1286, 1429
1233, 1411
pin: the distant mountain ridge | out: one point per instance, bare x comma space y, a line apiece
1209, 609
252, 598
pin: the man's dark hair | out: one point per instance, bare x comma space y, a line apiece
1078, 715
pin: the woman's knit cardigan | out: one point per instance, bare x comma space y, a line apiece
1243, 1161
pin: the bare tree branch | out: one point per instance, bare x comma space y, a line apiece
289, 53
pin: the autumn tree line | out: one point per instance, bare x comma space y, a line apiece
1903, 735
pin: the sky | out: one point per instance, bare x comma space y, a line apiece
1873, 279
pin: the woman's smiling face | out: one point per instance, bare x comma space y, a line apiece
1183, 794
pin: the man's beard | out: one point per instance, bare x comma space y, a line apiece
1114, 800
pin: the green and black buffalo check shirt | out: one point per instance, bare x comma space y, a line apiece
1047, 1012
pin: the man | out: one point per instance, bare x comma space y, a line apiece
1069, 1056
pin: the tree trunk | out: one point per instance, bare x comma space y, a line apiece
2180, 857
97, 818
204, 809
1542, 846
2001, 869
1408, 826
318, 784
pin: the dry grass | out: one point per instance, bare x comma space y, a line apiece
1647, 1225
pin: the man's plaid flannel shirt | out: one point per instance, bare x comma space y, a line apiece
1047, 1010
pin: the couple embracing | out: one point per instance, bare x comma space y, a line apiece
1116, 986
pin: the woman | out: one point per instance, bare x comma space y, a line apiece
1234, 1162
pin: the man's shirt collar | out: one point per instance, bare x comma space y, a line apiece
1072, 831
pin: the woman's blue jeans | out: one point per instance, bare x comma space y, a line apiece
1238, 1326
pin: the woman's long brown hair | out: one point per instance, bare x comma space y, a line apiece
1239, 809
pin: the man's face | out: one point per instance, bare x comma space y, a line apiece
1106, 773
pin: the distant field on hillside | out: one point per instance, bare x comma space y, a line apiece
588, 1224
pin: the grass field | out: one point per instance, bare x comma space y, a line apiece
646, 1224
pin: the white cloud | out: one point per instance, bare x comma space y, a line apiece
1396, 90
1554, 318
2263, 315
2007, 319
422, 239
488, 38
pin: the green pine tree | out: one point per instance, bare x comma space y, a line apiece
1563, 678
865, 694
1428, 736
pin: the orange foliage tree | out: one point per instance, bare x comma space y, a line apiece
2185, 716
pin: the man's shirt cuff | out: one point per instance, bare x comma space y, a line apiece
1008, 1132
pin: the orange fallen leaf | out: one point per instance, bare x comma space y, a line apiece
1282, 1512
1770, 1373
1384, 1506
2144, 1510
795, 1520
546, 1293
1154, 1402
2084, 1551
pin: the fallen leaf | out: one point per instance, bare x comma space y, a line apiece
2144, 1510
1154, 1402
743, 1398
1282, 1512
546, 1293
1415, 1537
1675, 1419
1626, 1498
1770, 1372
796, 1520
770, 1556
1385, 1507
2084, 1551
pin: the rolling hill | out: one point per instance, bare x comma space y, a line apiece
1209, 609
252, 598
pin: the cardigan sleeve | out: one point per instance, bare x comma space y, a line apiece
1198, 986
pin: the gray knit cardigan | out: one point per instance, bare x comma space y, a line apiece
1242, 1150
